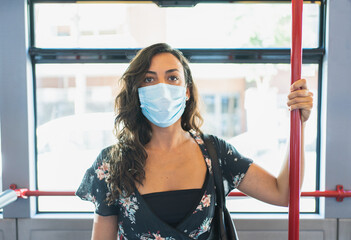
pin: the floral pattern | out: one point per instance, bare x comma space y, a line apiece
201, 143
205, 202
137, 221
154, 236
89, 197
102, 171
209, 164
121, 234
205, 227
197, 137
237, 179
130, 206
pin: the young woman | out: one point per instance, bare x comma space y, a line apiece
157, 181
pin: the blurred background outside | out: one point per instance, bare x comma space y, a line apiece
242, 103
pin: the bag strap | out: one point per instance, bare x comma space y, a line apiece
210, 144
227, 228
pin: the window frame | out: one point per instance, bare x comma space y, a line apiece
198, 55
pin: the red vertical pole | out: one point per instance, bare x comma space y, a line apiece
295, 124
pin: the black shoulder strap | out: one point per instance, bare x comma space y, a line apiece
226, 229
210, 144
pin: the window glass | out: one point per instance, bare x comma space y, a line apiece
74, 123
243, 103
136, 25
257, 121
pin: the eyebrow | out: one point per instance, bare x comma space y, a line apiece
168, 71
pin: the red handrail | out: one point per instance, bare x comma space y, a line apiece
295, 124
339, 193
12, 194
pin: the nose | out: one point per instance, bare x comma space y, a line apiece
162, 78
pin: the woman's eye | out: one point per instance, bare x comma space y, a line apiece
148, 79
173, 78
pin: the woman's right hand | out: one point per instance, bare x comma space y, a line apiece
104, 228
300, 98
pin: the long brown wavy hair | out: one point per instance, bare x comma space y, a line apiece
132, 129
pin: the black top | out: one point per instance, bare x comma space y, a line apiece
137, 220
173, 206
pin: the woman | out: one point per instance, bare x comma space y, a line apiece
157, 181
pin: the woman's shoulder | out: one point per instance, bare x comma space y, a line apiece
225, 150
107, 151
218, 141
104, 156
206, 138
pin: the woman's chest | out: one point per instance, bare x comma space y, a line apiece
167, 171
137, 220
185, 169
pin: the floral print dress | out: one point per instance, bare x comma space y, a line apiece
135, 218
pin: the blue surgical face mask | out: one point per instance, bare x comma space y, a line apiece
162, 104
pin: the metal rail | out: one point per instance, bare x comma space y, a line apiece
295, 124
13, 194
339, 194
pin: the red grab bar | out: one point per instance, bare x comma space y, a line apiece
12, 194
295, 124
339, 194
24, 192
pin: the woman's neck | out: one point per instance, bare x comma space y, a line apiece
167, 138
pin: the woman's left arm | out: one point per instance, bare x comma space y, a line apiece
260, 184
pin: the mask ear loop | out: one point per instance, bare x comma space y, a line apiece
187, 98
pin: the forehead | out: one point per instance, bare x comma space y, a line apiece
165, 61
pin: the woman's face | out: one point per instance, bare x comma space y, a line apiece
164, 68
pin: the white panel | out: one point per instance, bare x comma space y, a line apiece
278, 229
54, 229
337, 86
7, 229
16, 105
59, 234
71, 229
310, 235
344, 229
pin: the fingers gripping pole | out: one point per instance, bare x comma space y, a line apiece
295, 124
